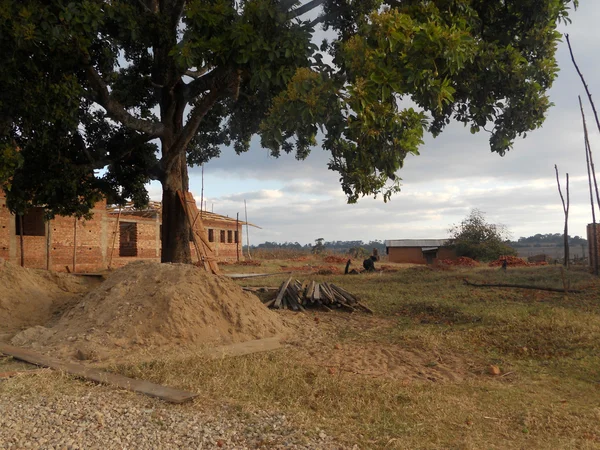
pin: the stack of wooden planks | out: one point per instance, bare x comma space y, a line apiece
298, 296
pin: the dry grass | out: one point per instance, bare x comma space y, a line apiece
547, 346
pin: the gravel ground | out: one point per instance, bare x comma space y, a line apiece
103, 418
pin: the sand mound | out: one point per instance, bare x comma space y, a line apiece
150, 305
31, 297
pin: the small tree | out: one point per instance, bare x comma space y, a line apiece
318, 247
477, 239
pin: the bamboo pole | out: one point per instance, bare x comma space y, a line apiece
202, 192
48, 245
112, 248
566, 211
587, 91
594, 245
247, 232
22, 244
237, 237
74, 244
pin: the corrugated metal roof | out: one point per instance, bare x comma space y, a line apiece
417, 242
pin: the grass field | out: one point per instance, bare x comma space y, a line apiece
447, 334
417, 373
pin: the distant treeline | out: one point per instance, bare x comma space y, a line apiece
538, 240
547, 240
336, 246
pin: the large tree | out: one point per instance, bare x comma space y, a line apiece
98, 97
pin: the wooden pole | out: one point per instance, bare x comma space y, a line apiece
75, 244
112, 249
247, 232
594, 245
566, 211
202, 192
21, 216
48, 228
237, 237
587, 91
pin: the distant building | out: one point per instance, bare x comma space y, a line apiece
110, 237
419, 251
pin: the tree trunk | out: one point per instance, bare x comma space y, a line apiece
566, 242
175, 229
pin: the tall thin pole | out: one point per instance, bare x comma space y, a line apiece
566, 211
112, 248
21, 216
202, 192
48, 245
594, 246
74, 244
247, 232
587, 90
237, 236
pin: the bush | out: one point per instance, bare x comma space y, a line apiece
477, 239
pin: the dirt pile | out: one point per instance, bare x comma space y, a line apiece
512, 261
31, 297
463, 261
149, 305
339, 259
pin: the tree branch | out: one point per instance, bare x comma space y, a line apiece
202, 84
226, 85
322, 18
287, 4
306, 8
115, 110
565, 209
520, 286
196, 73
190, 128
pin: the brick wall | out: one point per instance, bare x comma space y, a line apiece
227, 249
89, 243
414, 255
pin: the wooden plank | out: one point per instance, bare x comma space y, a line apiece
145, 387
310, 290
328, 296
253, 275
365, 308
316, 297
351, 299
245, 348
279, 298
199, 235
269, 303
200, 252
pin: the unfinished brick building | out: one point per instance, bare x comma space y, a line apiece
112, 237
591, 247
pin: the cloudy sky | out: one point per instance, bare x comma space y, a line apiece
300, 201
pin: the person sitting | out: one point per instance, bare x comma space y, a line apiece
369, 264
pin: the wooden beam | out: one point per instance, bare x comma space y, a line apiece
245, 348
522, 286
279, 299
144, 387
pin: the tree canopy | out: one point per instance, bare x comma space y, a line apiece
476, 238
101, 96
